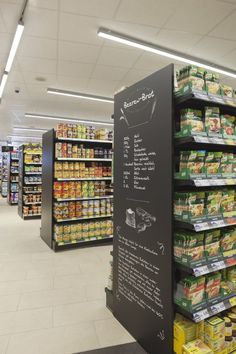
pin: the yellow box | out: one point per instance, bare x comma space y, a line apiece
214, 326
215, 344
196, 347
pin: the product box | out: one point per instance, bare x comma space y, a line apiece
212, 243
191, 77
212, 121
226, 90
214, 327
213, 203
212, 85
212, 286
184, 332
191, 122
226, 165
190, 293
228, 239
189, 206
189, 247
196, 347
192, 164
228, 126
228, 203
212, 163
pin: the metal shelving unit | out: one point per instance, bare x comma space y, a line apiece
27, 188
13, 178
48, 200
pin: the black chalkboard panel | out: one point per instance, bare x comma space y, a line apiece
143, 211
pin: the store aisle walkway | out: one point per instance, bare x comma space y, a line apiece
51, 303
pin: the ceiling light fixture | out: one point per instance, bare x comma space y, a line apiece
21, 129
75, 120
13, 50
80, 95
149, 47
15, 137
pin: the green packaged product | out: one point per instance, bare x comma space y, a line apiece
189, 246
213, 203
188, 206
212, 85
228, 202
212, 243
212, 120
194, 290
226, 90
212, 162
228, 239
226, 164
212, 286
191, 77
191, 121
228, 125
191, 162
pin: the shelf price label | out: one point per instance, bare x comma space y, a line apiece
218, 308
201, 139
201, 182
201, 315
217, 223
201, 226
200, 271
216, 266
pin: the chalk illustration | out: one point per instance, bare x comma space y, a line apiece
124, 117
139, 219
161, 248
161, 335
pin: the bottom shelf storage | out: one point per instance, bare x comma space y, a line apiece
59, 246
28, 217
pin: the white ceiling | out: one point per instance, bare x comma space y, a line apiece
60, 44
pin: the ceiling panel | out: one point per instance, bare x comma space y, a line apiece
80, 52
198, 16
72, 83
225, 28
124, 56
177, 40
104, 71
38, 47
79, 29
230, 60
10, 14
146, 12
104, 87
101, 8
5, 43
209, 48
16, 77
149, 61
47, 4
135, 75
44, 66
68, 68
30, 78
41, 23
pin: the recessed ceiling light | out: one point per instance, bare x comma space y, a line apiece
80, 95
75, 120
149, 47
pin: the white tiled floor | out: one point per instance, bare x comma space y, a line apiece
51, 303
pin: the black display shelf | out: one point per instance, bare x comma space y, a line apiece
12, 188
209, 310
23, 151
207, 267
208, 224
205, 182
48, 220
4, 171
202, 98
205, 143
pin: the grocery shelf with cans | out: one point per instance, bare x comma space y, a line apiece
30, 181
13, 177
77, 200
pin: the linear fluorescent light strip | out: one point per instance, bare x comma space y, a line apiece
13, 50
75, 120
23, 137
29, 129
120, 38
80, 95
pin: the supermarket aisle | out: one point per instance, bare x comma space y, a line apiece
51, 303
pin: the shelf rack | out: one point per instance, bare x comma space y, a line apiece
158, 134
4, 180
48, 200
24, 150
13, 177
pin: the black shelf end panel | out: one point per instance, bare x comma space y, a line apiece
100, 242
109, 299
47, 187
210, 310
143, 228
